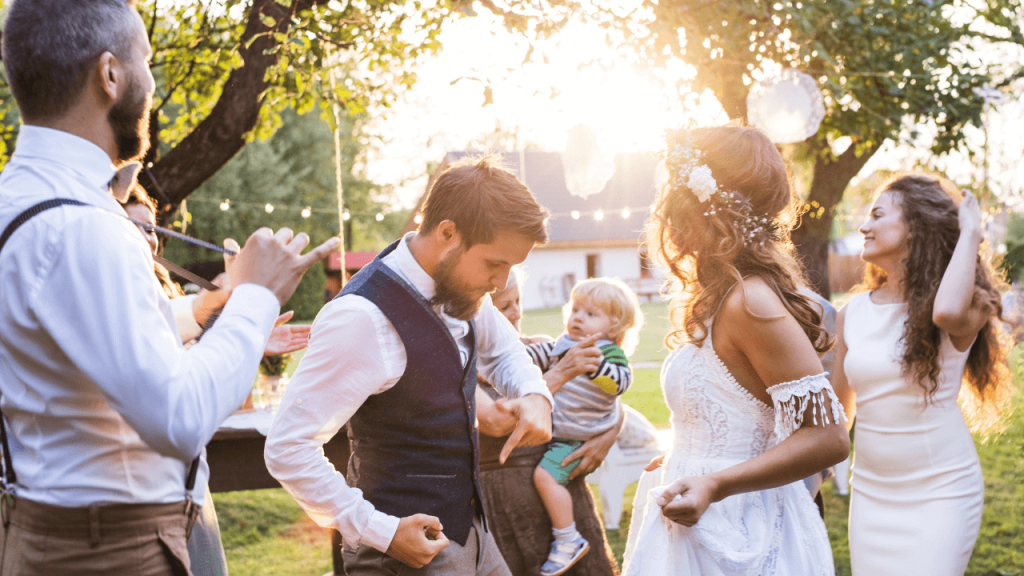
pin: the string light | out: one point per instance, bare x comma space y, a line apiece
418, 219
345, 216
269, 208
379, 217
306, 212
625, 213
599, 215
225, 205
575, 214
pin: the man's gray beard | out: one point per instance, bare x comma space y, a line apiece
449, 295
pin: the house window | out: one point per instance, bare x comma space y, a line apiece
593, 265
645, 264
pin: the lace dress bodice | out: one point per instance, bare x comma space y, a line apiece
713, 417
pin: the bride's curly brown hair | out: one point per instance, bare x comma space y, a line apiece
930, 209
709, 251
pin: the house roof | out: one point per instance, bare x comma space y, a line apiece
631, 186
353, 260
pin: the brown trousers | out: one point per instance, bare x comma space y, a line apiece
124, 539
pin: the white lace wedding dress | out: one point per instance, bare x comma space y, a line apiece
716, 424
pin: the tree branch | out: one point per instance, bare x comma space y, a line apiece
222, 134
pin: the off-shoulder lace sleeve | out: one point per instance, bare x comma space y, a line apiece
791, 400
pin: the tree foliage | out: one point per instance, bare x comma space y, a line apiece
226, 69
882, 66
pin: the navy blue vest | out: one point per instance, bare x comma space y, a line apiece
414, 447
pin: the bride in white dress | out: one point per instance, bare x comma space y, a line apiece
904, 348
752, 409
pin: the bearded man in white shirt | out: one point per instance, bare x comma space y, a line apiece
105, 409
395, 358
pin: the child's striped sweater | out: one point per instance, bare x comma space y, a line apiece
588, 404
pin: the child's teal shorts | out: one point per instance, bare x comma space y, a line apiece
558, 449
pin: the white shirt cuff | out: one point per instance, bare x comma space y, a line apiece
379, 531
538, 387
185, 317
258, 301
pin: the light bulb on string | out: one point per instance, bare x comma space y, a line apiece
599, 215
380, 217
306, 212
625, 212
225, 205
418, 219
345, 216
269, 208
575, 214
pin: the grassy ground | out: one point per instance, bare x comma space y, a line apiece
265, 531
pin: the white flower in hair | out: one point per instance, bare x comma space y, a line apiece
702, 183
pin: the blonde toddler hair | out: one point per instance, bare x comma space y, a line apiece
618, 301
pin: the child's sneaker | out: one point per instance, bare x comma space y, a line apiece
563, 555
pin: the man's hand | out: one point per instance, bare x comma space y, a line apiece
695, 493
286, 339
533, 412
274, 261
417, 540
592, 452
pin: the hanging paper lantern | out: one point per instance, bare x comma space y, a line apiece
788, 107
587, 168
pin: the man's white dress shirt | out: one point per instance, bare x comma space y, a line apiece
103, 403
354, 352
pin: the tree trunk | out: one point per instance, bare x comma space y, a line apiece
831, 177
221, 134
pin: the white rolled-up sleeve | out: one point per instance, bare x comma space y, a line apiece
172, 397
185, 317
346, 362
502, 358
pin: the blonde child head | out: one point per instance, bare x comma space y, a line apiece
617, 301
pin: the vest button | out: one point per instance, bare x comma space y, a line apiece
472, 501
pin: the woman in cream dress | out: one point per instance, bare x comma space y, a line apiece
904, 348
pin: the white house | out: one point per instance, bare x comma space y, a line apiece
600, 235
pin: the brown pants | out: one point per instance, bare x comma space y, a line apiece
123, 539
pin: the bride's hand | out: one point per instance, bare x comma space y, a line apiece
695, 493
655, 464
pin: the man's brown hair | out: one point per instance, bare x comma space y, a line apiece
483, 199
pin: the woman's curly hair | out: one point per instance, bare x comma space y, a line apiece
930, 208
708, 252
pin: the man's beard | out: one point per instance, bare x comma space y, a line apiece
129, 120
451, 295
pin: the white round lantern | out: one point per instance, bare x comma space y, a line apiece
788, 107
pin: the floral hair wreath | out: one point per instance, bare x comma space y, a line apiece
689, 173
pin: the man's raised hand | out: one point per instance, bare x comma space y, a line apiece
417, 540
274, 261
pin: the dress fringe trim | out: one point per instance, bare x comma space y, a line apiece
791, 400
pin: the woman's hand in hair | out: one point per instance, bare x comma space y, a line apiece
970, 215
957, 311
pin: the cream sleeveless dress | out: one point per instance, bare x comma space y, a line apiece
716, 424
917, 488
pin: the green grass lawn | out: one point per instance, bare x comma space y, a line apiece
265, 531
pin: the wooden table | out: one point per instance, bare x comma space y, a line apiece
236, 463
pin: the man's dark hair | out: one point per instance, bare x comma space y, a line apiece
49, 46
483, 199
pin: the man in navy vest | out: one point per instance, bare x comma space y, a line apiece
395, 357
